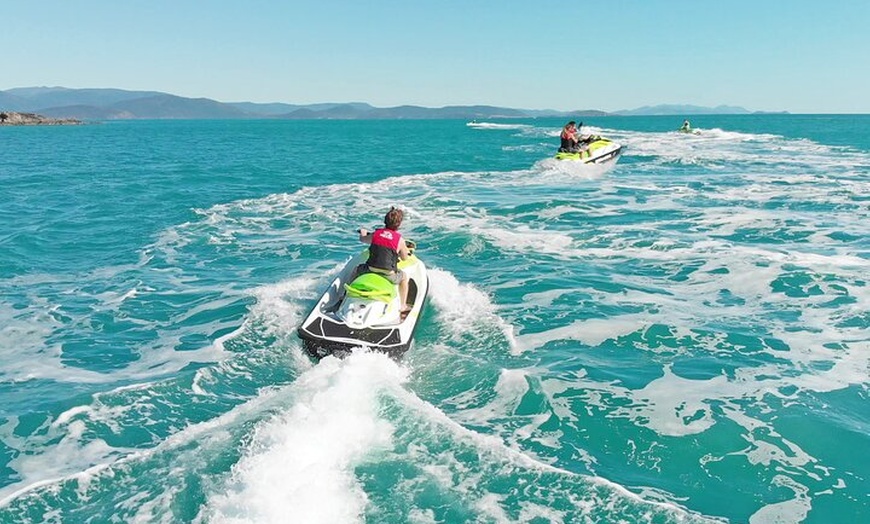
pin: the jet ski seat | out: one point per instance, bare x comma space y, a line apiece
372, 286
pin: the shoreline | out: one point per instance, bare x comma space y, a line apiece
12, 118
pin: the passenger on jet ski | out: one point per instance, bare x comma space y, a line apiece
386, 248
570, 138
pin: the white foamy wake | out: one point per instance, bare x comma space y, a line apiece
463, 308
721, 149
552, 170
300, 464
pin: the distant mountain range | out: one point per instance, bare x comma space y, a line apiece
119, 104
671, 109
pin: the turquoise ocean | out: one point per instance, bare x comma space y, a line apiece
682, 337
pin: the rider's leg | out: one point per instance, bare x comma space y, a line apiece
403, 290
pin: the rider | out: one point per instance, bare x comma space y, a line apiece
387, 247
570, 140
686, 127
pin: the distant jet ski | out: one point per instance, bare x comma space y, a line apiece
688, 129
594, 150
365, 313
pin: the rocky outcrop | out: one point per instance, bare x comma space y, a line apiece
11, 118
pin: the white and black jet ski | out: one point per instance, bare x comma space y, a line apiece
365, 313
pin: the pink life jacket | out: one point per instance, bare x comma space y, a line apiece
384, 251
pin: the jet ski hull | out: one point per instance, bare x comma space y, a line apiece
333, 326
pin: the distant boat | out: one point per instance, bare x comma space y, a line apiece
491, 125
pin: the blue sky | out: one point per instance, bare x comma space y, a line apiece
792, 55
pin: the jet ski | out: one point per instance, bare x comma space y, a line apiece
366, 312
594, 150
688, 129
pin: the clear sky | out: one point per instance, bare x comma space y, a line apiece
770, 55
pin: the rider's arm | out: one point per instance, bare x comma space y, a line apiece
364, 236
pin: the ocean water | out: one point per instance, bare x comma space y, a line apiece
682, 337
